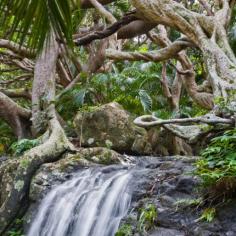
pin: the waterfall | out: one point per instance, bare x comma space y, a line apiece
92, 203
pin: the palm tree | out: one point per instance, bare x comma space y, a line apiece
31, 23
37, 18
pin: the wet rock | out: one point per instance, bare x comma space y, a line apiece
55, 173
186, 184
166, 232
2, 159
165, 187
163, 182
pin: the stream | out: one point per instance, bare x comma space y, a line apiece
92, 203
96, 201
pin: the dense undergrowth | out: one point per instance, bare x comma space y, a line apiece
217, 166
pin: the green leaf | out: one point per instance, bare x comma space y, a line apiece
37, 18
80, 96
146, 100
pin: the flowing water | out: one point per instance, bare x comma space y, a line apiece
92, 203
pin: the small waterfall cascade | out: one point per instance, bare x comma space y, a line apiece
92, 203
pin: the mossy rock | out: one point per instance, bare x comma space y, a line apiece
107, 126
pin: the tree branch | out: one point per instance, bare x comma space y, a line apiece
99, 7
159, 55
17, 93
107, 32
151, 121
16, 48
16, 116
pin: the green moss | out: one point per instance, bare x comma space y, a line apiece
188, 202
106, 159
86, 108
24, 163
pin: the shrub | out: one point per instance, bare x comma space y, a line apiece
23, 145
217, 165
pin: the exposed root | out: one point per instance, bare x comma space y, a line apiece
16, 174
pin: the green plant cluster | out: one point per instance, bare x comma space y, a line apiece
7, 137
147, 218
23, 145
218, 160
15, 233
124, 230
16, 229
208, 214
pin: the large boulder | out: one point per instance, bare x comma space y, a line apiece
111, 126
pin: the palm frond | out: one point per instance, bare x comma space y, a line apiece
37, 18
145, 100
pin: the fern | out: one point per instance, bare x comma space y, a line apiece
80, 97
146, 100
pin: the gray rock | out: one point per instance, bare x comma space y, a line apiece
2, 159
111, 126
186, 184
166, 232
159, 181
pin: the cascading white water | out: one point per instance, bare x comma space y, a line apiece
91, 204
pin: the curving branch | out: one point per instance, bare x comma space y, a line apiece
148, 121
85, 4
159, 55
16, 48
134, 29
208, 33
99, 7
107, 32
63, 74
16, 116
185, 69
17, 93
207, 7
23, 77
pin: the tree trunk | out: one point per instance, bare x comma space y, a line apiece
43, 91
16, 174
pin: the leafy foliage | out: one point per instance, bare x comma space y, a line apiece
16, 229
37, 18
208, 214
145, 99
134, 86
23, 145
218, 159
124, 230
147, 218
188, 202
6, 138
15, 233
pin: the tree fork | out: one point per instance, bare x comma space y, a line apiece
16, 116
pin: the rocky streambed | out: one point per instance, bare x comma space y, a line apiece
164, 183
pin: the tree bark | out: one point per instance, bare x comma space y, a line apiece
16, 174
16, 116
207, 32
43, 91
